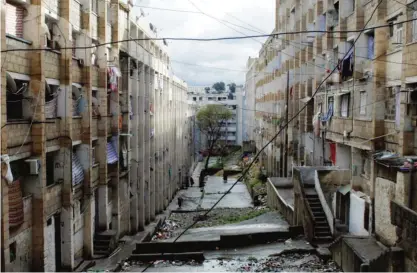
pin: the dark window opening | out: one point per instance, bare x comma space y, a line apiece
50, 167
15, 96
366, 217
49, 222
12, 249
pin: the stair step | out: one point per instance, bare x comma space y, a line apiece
321, 228
101, 252
320, 219
101, 248
322, 233
316, 206
323, 238
101, 242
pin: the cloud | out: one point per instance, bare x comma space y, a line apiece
229, 54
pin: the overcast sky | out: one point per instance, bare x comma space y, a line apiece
220, 54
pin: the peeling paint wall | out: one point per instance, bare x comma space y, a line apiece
384, 193
49, 231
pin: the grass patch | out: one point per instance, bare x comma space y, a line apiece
232, 219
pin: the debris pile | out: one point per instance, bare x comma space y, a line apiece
290, 262
165, 231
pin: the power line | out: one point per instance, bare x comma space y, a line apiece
211, 39
165, 9
269, 142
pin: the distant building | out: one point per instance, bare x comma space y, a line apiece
198, 97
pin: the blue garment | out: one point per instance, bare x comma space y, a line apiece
329, 114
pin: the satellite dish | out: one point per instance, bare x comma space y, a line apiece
10, 84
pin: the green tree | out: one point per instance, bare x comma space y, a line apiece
210, 120
232, 87
219, 86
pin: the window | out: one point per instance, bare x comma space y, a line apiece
391, 29
399, 33
366, 166
362, 103
330, 102
50, 42
194, 99
371, 42
12, 249
414, 27
94, 6
14, 20
366, 217
50, 166
344, 106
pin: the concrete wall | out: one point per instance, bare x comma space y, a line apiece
384, 193
50, 263
356, 215
78, 230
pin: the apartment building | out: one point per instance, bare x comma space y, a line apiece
362, 118
95, 138
198, 97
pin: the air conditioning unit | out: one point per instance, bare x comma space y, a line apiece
34, 166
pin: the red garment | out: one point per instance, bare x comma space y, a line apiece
333, 153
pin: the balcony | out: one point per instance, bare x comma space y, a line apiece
94, 26
75, 18
53, 198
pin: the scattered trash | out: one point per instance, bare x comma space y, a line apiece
165, 231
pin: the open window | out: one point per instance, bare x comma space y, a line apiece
95, 102
52, 33
17, 95
78, 102
51, 98
344, 105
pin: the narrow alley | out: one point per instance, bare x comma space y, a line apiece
234, 216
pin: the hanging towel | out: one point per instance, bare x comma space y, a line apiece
111, 154
9, 175
16, 213
77, 170
329, 114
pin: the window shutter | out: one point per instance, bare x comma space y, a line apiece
414, 27
14, 20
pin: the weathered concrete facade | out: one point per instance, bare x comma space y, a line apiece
365, 103
96, 130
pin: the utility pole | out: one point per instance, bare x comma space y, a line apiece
285, 167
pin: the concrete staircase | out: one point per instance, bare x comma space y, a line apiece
104, 242
322, 233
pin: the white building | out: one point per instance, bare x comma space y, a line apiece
199, 97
